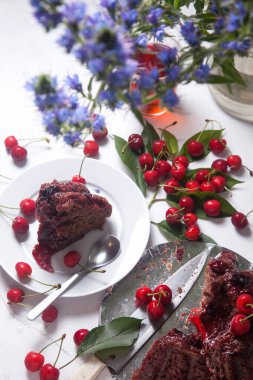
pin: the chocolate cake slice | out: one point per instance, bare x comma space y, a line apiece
219, 355
66, 212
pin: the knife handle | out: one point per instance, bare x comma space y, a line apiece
90, 370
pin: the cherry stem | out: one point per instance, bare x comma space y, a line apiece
81, 166
230, 192
38, 140
91, 270
19, 303
71, 361
203, 130
12, 208
153, 199
3, 176
124, 147
62, 338
247, 317
3, 213
55, 341
55, 286
248, 213
37, 294
214, 121
250, 171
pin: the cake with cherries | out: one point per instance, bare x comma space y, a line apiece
215, 352
66, 212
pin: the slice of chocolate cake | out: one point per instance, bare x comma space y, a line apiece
219, 355
66, 212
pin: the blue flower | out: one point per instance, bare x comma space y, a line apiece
51, 123
170, 99
173, 73
154, 15
159, 32
96, 65
202, 72
80, 115
233, 22
142, 40
110, 98
73, 13
74, 83
72, 138
63, 114
168, 56
67, 40
148, 79
129, 17
190, 33
98, 122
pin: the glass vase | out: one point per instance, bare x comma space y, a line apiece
238, 102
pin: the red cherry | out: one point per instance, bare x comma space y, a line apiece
78, 178
181, 160
212, 207
234, 162
207, 186
144, 294
202, 175
23, 270
155, 310
171, 186
195, 318
91, 148
217, 145
192, 232
49, 314
164, 294
158, 147
20, 225
15, 295
27, 206
135, 142
10, 142
18, 153
151, 177
190, 218
195, 148
186, 204
178, 171
239, 325
146, 161
219, 183
173, 215
79, 336
163, 167
244, 304
100, 134
49, 372
220, 165
192, 186
239, 220
34, 361
71, 259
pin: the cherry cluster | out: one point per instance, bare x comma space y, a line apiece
163, 169
155, 307
20, 224
240, 323
18, 152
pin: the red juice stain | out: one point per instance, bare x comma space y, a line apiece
179, 254
42, 256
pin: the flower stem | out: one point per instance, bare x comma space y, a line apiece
153, 199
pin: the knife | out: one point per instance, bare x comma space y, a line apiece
180, 283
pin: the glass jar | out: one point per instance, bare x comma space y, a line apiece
238, 102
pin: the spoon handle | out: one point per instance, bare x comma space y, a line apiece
38, 309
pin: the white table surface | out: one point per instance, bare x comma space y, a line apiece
26, 50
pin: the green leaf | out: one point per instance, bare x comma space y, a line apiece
217, 79
176, 4
176, 232
199, 199
204, 137
120, 332
230, 71
171, 142
230, 180
149, 135
130, 159
90, 84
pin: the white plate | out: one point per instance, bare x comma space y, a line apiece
129, 222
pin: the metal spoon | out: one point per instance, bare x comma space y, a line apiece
102, 253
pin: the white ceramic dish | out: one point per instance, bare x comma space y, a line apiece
129, 222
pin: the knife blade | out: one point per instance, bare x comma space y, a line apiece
180, 283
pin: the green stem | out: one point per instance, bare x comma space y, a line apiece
3, 213
55, 341
65, 365
153, 199
62, 338
3, 176
56, 286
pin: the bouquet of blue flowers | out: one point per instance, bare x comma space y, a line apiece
115, 42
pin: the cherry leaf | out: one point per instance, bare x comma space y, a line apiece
230, 180
149, 135
204, 137
176, 232
120, 332
171, 142
130, 159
